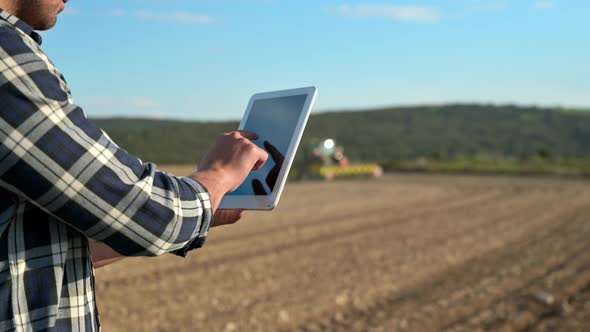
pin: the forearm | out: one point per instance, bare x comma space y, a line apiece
58, 160
74, 172
212, 184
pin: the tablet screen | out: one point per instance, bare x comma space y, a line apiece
274, 120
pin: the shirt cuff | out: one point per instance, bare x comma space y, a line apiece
198, 241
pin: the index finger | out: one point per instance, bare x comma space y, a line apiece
262, 157
248, 134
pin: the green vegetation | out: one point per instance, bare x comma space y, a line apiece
163, 141
450, 138
486, 164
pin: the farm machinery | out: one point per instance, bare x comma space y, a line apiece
326, 160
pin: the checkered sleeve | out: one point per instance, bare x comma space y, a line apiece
54, 157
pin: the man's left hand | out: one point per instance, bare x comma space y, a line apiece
226, 216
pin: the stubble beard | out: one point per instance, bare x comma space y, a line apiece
37, 14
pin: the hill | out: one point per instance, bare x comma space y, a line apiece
386, 135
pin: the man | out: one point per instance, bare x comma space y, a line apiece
71, 199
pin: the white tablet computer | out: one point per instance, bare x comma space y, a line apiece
278, 118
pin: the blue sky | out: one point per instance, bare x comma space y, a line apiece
203, 59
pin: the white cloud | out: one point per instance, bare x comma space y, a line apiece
179, 17
544, 4
136, 102
142, 102
71, 11
492, 4
117, 12
403, 13
176, 17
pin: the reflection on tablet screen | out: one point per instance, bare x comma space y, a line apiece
274, 120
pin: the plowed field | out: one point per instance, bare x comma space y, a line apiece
406, 252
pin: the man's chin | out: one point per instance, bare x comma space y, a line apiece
46, 25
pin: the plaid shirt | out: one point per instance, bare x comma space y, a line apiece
62, 181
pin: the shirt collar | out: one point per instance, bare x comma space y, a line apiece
21, 25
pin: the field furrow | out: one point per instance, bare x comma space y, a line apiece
411, 253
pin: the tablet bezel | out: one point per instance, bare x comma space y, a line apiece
269, 202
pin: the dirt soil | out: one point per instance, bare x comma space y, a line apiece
402, 253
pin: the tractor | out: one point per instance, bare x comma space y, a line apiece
326, 160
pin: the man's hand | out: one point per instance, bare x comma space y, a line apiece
228, 163
226, 216
102, 254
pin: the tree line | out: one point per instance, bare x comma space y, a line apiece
386, 135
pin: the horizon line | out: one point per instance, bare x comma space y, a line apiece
354, 109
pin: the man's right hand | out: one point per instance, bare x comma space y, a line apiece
228, 163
